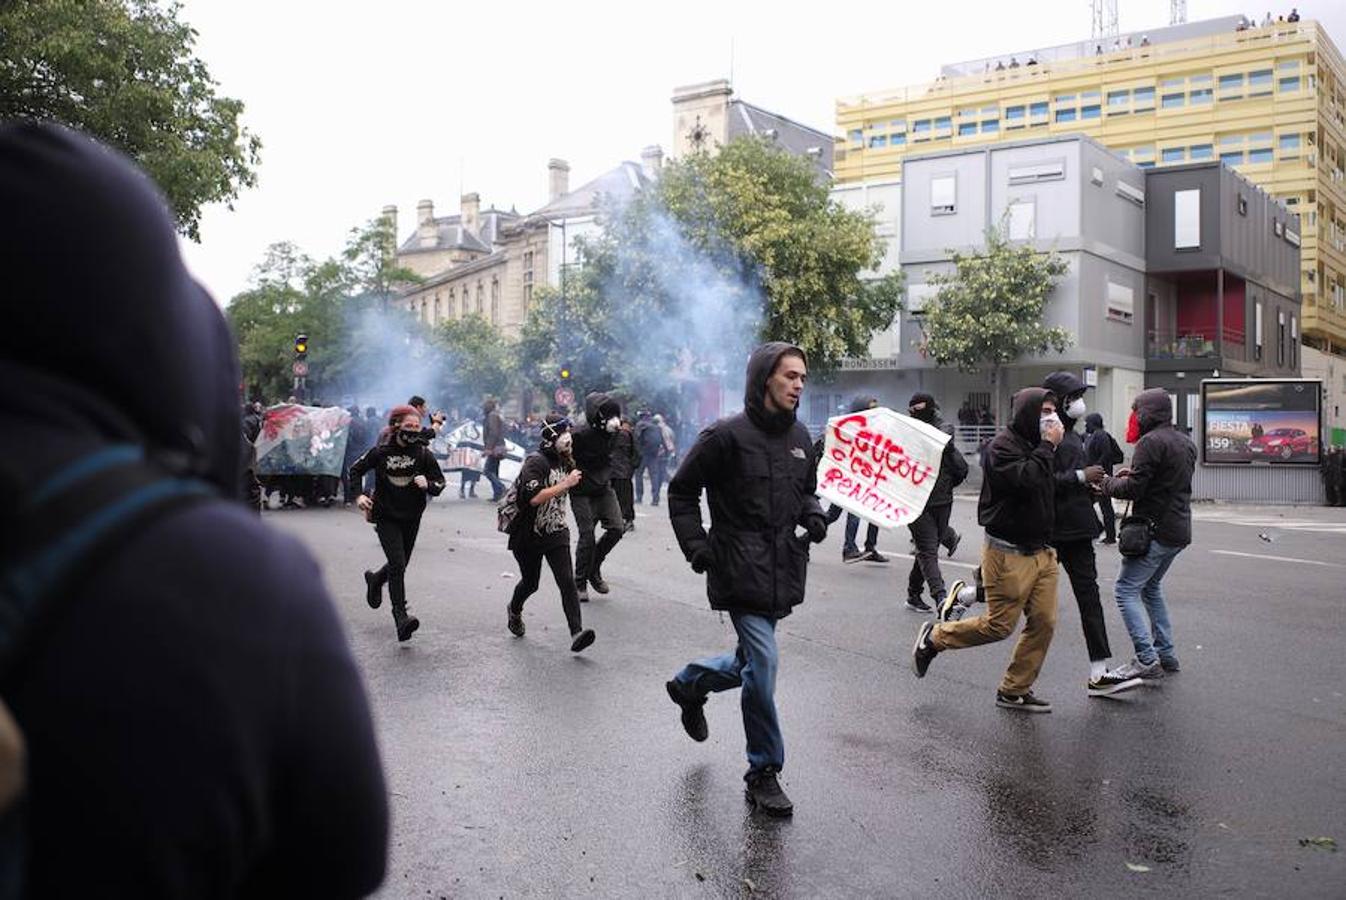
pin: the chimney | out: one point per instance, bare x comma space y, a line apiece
652, 160
426, 232
469, 206
558, 179
390, 217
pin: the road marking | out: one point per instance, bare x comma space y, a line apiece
942, 562
1289, 559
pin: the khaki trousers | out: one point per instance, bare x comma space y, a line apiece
1014, 584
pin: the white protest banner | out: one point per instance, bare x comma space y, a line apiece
880, 465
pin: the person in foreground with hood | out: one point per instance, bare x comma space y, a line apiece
593, 499
933, 523
540, 531
196, 724
1159, 483
1075, 530
1100, 449
1017, 510
760, 474
405, 472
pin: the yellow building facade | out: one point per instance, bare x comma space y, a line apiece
1270, 102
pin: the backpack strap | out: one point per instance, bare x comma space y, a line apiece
70, 525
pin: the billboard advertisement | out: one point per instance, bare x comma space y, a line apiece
1261, 420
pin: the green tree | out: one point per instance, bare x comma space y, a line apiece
370, 260
478, 359
124, 71
987, 312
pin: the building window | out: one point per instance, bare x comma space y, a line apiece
1289, 85
856, 136
878, 140
1259, 83
943, 123
495, 301
436, 307
1280, 337
1294, 341
921, 128
1261, 155
1172, 101
1257, 330
1038, 109
481, 298
1118, 101
1187, 219
1172, 154
1202, 151
1029, 174
1091, 111
1233, 158
1144, 99
990, 126
966, 128
1289, 144
897, 140
527, 297
1014, 113
918, 295
1231, 87
1065, 115
1022, 219
1121, 303
1198, 97
943, 195
1200, 89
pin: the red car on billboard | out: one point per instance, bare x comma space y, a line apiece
1282, 442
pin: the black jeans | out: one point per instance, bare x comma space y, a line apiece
397, 539
926, 532
658, 470
530, 574
625, 491
589, 511
1109, 518
1077, 557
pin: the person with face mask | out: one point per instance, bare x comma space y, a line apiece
540, 531
405, 473
933, 523
1100, 449
1017, 509
1075, 529
593, 499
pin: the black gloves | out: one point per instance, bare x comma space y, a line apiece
702, 560
817, 527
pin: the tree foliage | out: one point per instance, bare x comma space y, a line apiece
124, 72
480, 360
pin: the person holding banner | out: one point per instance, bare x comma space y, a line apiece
759, 472
932, 525
1017, 509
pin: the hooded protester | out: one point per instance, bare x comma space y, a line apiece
493, 446
932, 524
1076, 527
593, 499
1159, 484
196, 725
625, 461
1100, 449
405, 472
759, 472
355, 445
540, 531
1017, 509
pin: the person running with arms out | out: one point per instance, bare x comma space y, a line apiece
1017, 509
759, 473
405, 471
540, 531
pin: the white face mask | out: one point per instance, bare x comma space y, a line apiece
1046, 421
1077, 409
563, 444
613, 424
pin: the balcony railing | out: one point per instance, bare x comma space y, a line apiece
1192, 343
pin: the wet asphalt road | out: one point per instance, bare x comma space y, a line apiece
517, 769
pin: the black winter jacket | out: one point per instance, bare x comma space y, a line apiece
760, 473
1017, 502
1160, 483
593, 445
1075, 516
396, 497
625, 456
1099, 445
952, 472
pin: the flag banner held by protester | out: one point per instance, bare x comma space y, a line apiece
462, 450
880, 465
302, 440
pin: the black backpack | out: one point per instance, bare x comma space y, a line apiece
51, 540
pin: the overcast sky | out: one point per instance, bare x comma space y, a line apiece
359, 104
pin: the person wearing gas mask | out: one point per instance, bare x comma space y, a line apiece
540, 531
405, 472
1075, 529
930, 527
1017, 508
593, 499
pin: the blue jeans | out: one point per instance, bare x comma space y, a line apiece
853, 528
752, 666
1140, 597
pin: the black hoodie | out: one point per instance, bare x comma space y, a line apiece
593, 444
1017, 502
1160, 483
1075, 516
196, 724
760, 473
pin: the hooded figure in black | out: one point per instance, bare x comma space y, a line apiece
1076, 527
540, 531
759, 472
594, 500
1018, 568
196, 725
1101, 449
932, 524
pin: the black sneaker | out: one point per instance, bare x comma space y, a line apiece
583, 591
764, 792
1111, 683
1169, 664
693, 711
1026, 702
514, 622
924, 650
875, 556
581, 640
919, 604
596, 580
952, 545
406, 623
1108, 541
373, 590
852, 556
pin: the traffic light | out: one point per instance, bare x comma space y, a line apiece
565, 374
301, 345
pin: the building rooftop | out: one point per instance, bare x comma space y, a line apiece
616, 184
799, 139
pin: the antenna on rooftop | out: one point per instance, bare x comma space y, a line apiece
1104, 16
1177, 12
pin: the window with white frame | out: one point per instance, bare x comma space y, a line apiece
1280, 337
1257, 330
1022, 219
1187, 219
918, 295
1121, 304
943, 195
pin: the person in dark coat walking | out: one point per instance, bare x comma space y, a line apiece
1101, 449
1075, 529
932, 524
625, 461
593, 500
540, 531
1159, 483
196, 725
405, 473
493, 447
759, 472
